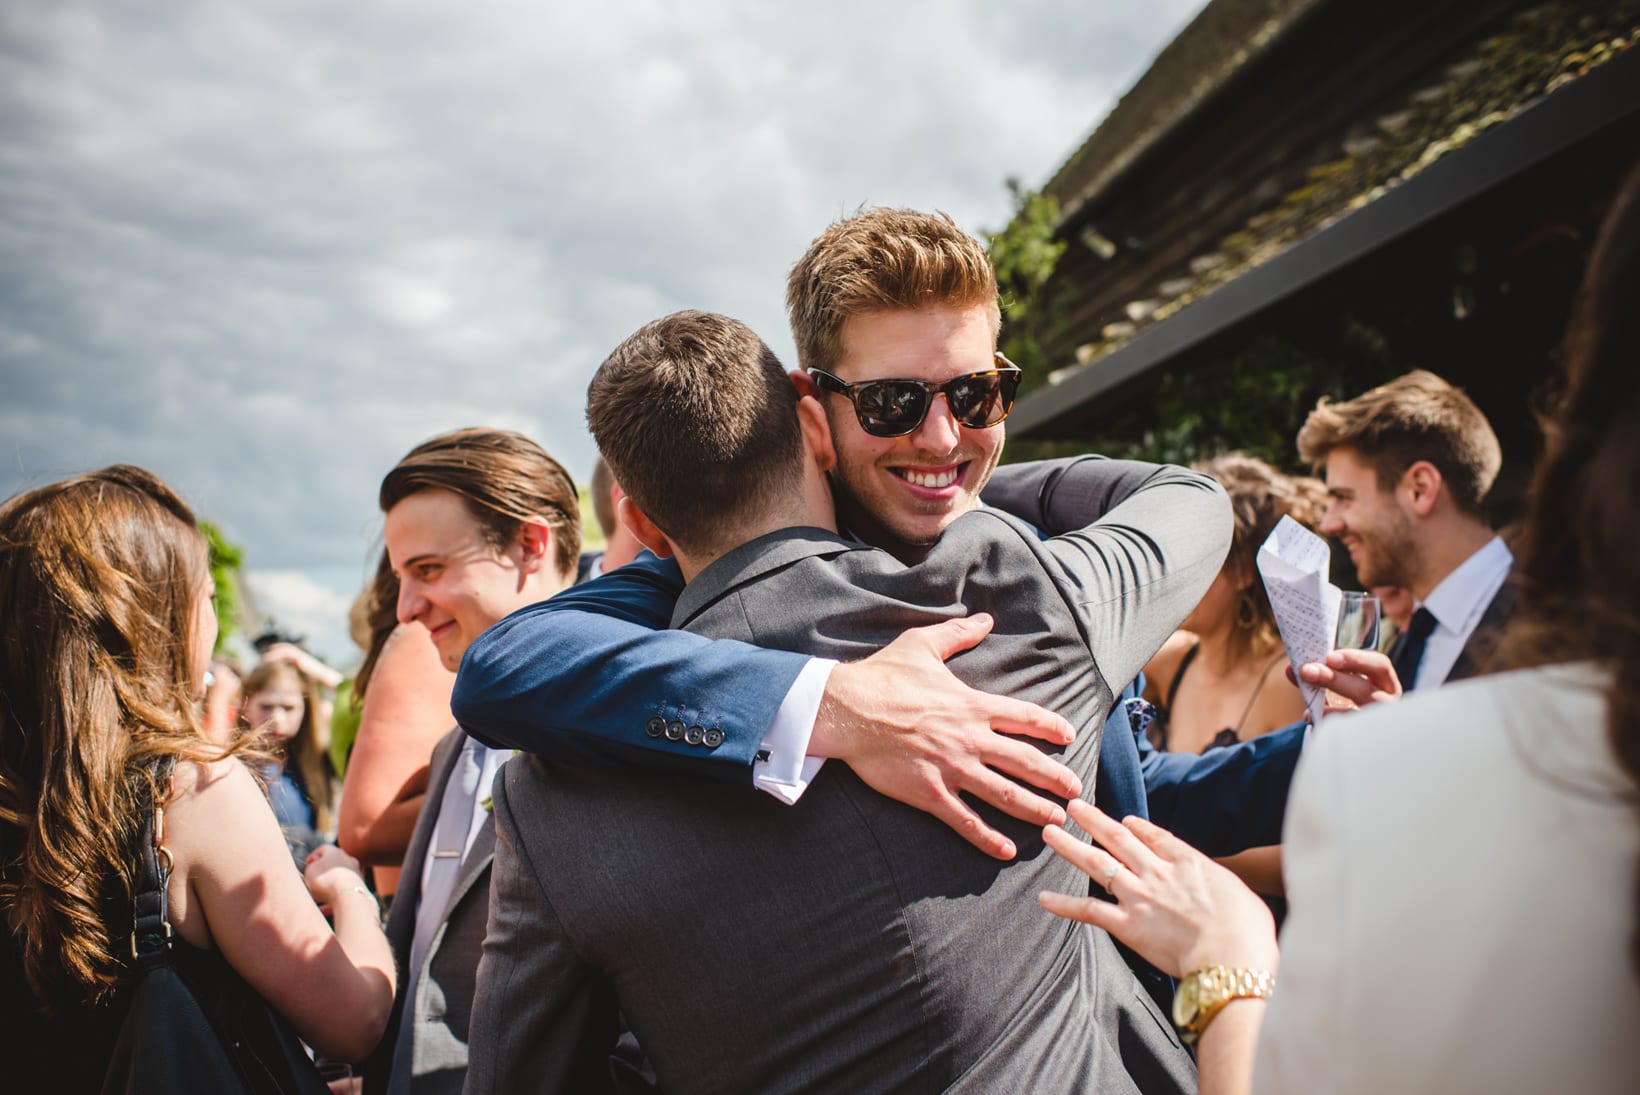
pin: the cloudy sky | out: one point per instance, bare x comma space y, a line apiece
264, 248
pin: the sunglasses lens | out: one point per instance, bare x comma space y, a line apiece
890, 408
983, 399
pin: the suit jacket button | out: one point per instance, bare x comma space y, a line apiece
694, 735
655, 727
675, 730
712, 738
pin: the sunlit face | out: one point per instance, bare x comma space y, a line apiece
277, 709
1369, 520
202, 631
900, 493
451, 578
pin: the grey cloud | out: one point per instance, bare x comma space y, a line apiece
264, 249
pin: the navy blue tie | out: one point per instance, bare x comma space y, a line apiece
1409, 649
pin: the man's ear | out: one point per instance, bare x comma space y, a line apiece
804, 383
638, 522
1421, 486
534, 544
811, 417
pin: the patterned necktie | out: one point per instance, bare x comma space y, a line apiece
1409, 652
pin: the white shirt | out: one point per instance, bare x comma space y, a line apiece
1458, 603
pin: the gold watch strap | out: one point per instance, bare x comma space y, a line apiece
1204, 994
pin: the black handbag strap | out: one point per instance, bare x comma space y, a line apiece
151, 935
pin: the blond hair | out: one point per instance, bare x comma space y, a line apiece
883, 260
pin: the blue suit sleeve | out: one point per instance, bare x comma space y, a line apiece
1225, 800
592, 677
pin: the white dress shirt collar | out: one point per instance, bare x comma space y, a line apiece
1458, 603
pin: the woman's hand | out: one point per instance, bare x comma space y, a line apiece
329, 871
1175, 906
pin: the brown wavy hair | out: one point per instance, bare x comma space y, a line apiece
99, 575
1579, 587
1260, 496
304, 751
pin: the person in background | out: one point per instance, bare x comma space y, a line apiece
1395, 606
620, 546
1408, 466
1219, 679
404, 694
1479, 841
478, 524
281, 708
106, 629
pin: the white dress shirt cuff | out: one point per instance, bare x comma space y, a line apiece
784, 769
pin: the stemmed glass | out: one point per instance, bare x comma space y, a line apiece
1357, 622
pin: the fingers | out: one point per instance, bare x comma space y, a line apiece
1117, 840
968, 825
1090, 859
1158, 839
1023, 761
1369, 665
1011, 716
953, 636
1014, 800
1101, 914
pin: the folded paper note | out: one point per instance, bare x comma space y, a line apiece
1294, 563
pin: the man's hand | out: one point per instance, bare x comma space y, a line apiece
912, 731
1353, 679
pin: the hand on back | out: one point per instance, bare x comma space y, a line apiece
914, 732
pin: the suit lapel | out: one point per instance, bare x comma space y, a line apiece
1473, 657
750, 561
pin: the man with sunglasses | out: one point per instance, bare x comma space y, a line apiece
848, 943
883, 296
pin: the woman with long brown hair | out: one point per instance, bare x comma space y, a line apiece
1464, 866
106, 628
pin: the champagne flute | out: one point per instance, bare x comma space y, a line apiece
1357, 622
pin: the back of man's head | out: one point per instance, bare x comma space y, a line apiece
1414, 417
502, 477
698, 421
883, 260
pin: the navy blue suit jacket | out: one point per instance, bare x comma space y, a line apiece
593, 677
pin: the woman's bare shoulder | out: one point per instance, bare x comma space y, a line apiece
1164, 664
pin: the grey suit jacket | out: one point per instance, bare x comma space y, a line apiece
848, 943
445, 990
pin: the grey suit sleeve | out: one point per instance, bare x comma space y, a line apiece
1059, 496
543, 1020
1138, 571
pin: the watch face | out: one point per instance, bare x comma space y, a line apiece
1186, 1001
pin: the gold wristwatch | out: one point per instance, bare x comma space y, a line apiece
1201, 995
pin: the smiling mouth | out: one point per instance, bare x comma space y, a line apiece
441, 630
932, 478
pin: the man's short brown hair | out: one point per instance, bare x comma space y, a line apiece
882, 260
698, 421
503, 478
1414, 417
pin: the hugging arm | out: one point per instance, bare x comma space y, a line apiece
583, 677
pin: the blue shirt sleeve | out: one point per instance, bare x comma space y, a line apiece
594, 677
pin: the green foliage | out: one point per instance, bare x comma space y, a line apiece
226, 559
1024, 255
